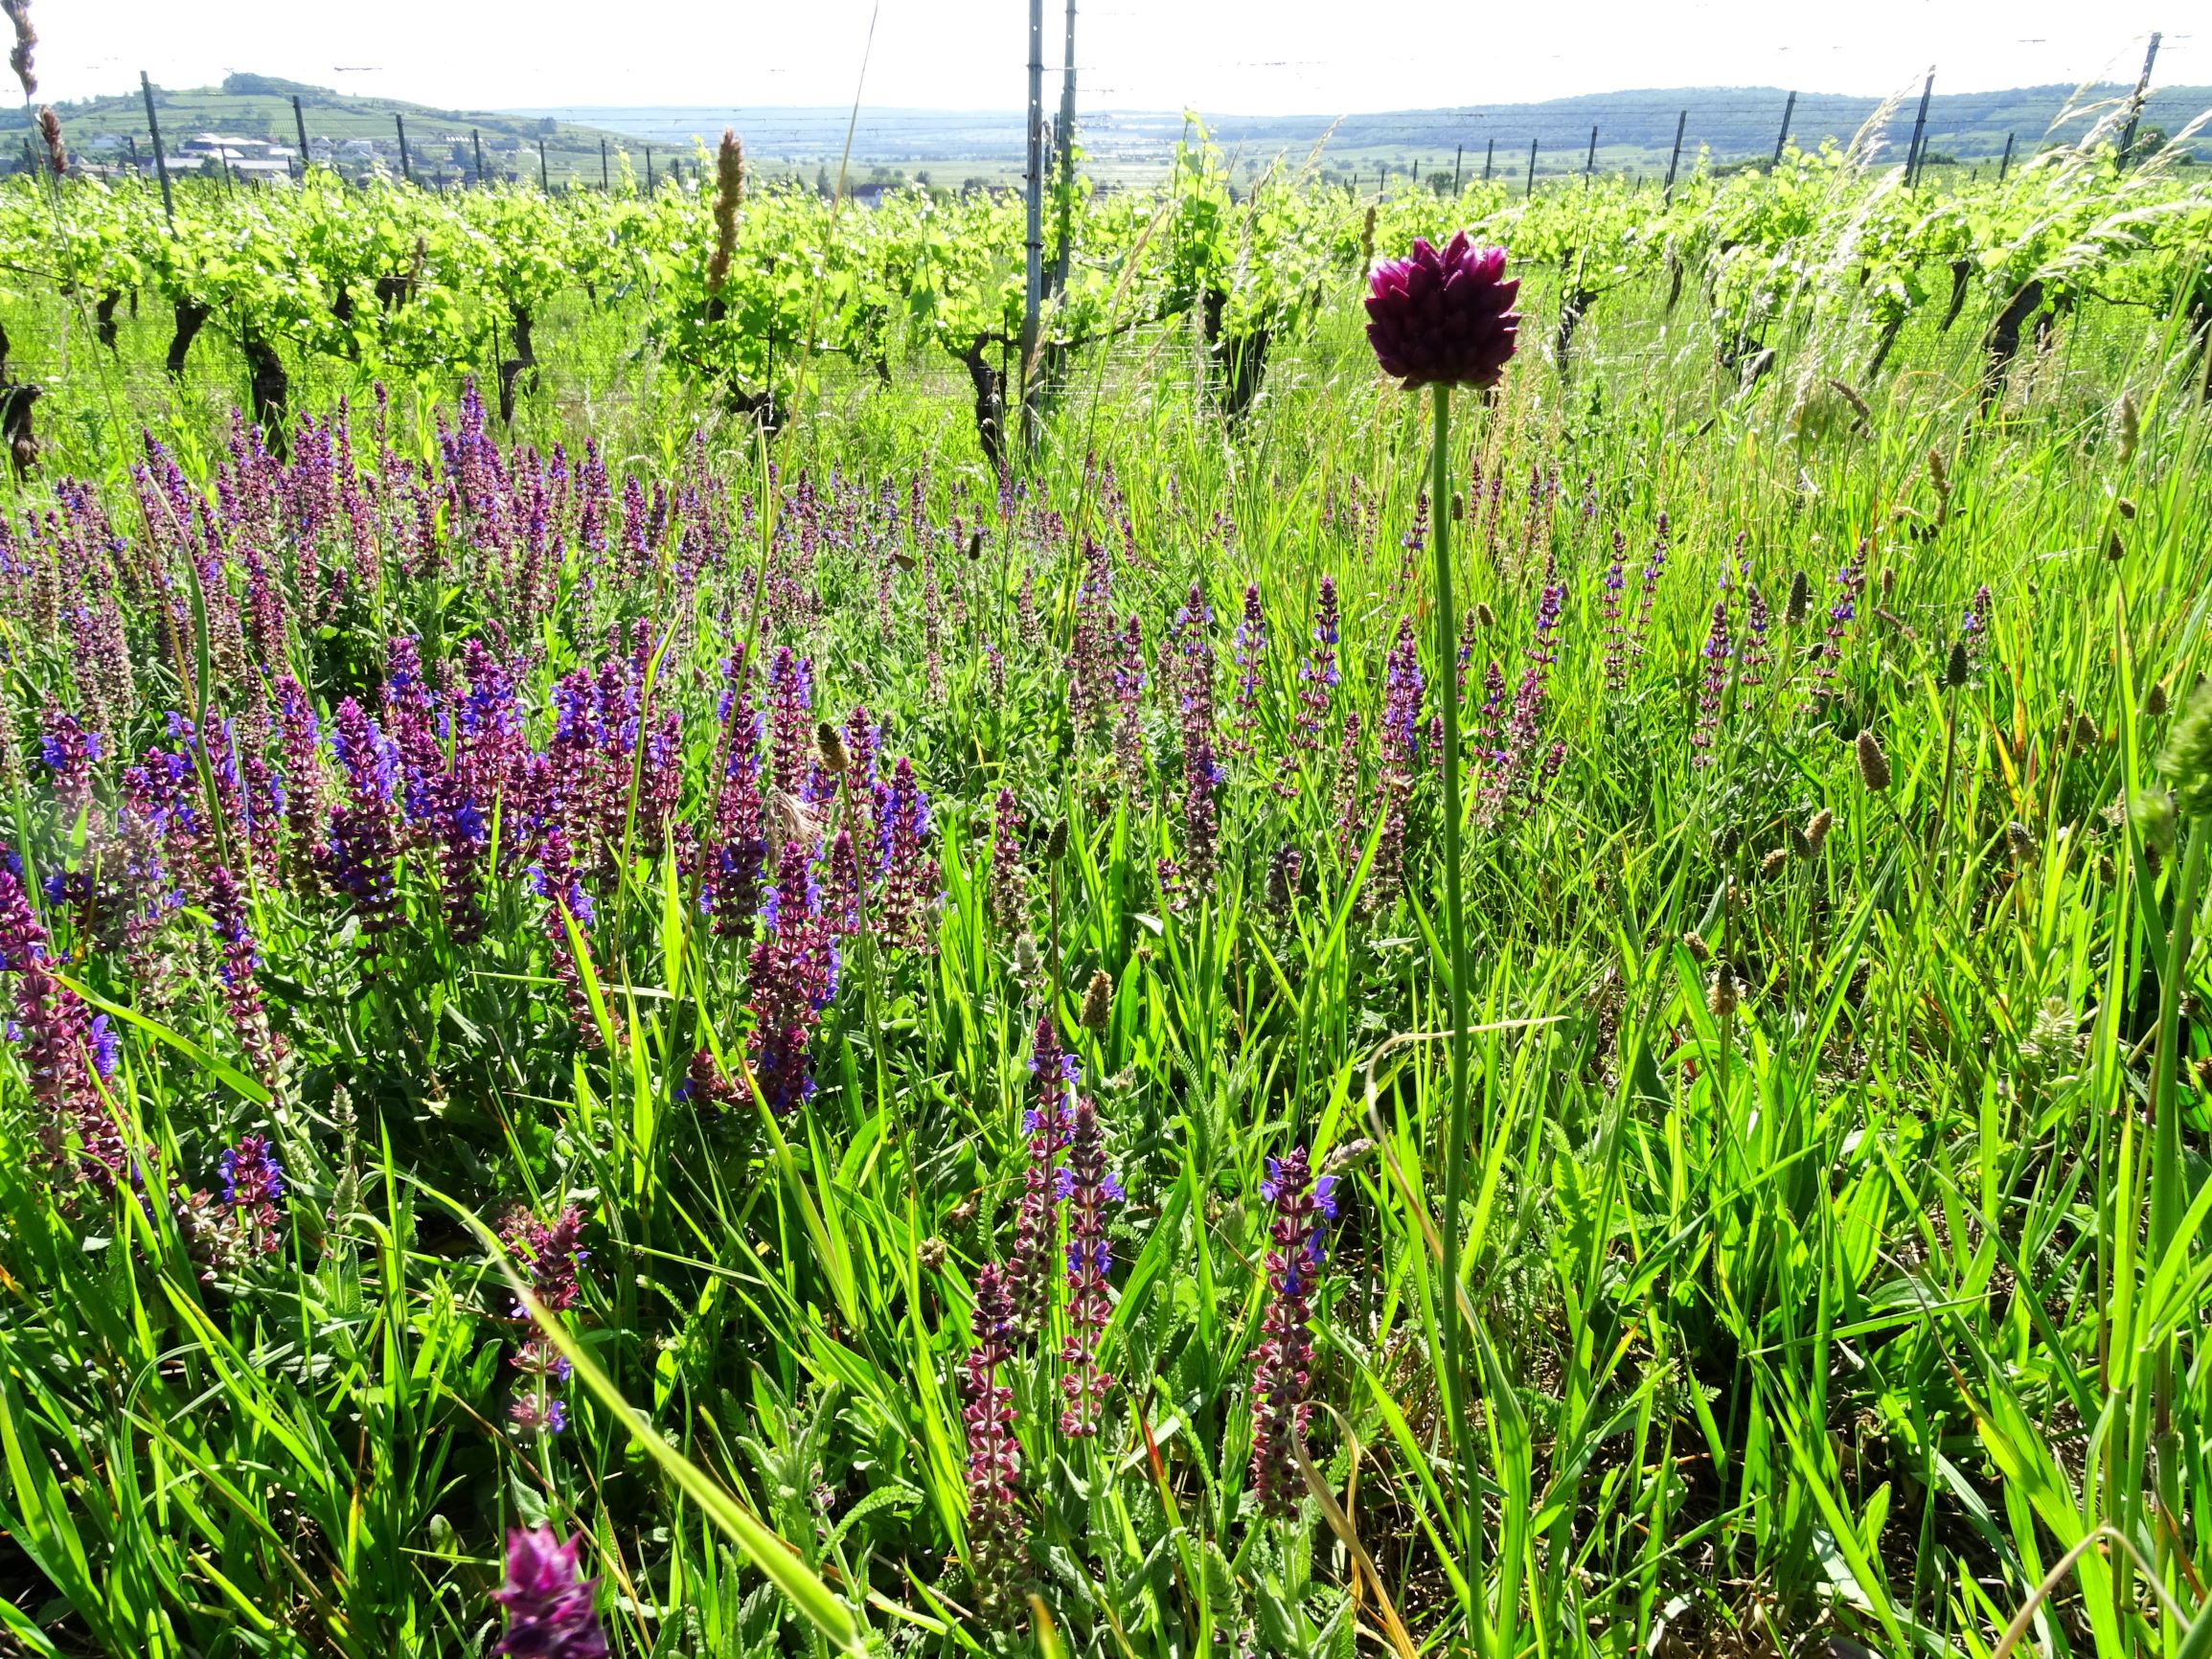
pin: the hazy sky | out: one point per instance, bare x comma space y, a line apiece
1231, 56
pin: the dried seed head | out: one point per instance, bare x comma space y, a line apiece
1800, 605
1699, 952
2155, 700
2115, 549
1956, 667
1816, 829
1873, 764
1056, 842
2086, 735
1938, 474
975, 545
2125, 508
1770, 866
1721, 995
2127, 426
1458, 506
26, 41
2019, 841
930, 1253
1343, 1156
834, 759
1098, 999
1888, 582
1484, 615
729, 194
50, 133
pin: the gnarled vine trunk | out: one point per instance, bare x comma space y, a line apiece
190, 317
271, 390
989, 404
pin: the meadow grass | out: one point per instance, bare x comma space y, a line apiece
1828, 1261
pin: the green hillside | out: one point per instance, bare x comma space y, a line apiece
440, 142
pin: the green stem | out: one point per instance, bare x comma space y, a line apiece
2167, 1187
1455, 935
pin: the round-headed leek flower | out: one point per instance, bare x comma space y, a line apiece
1444, 316
548, 1608
1283, 1368
2186, 761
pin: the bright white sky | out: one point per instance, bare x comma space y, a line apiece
1226, 56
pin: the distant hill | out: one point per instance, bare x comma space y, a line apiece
440, 142
1635, 130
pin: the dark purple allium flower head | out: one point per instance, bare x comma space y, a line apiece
1444, 317
549, 1611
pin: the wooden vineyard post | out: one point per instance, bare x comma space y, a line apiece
1919, 132
2006, 166
2136, 104
477, 139
1531, 190
544, 183
1458, 155
1064, 138
160, 160
1488, 157
1033, 217
1590, 160
1789, 109
1674, 161
300, 123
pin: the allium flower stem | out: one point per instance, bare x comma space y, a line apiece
1455, 937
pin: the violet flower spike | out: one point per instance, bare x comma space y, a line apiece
548, 1608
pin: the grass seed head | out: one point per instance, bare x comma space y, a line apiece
1098, 999
1695, 944
1956, 667
1800, 605
1721, 995
2154, 699
1873, 764
1816, 829
729, 195
2186, 761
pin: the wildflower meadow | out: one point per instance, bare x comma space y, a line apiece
1470, 928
